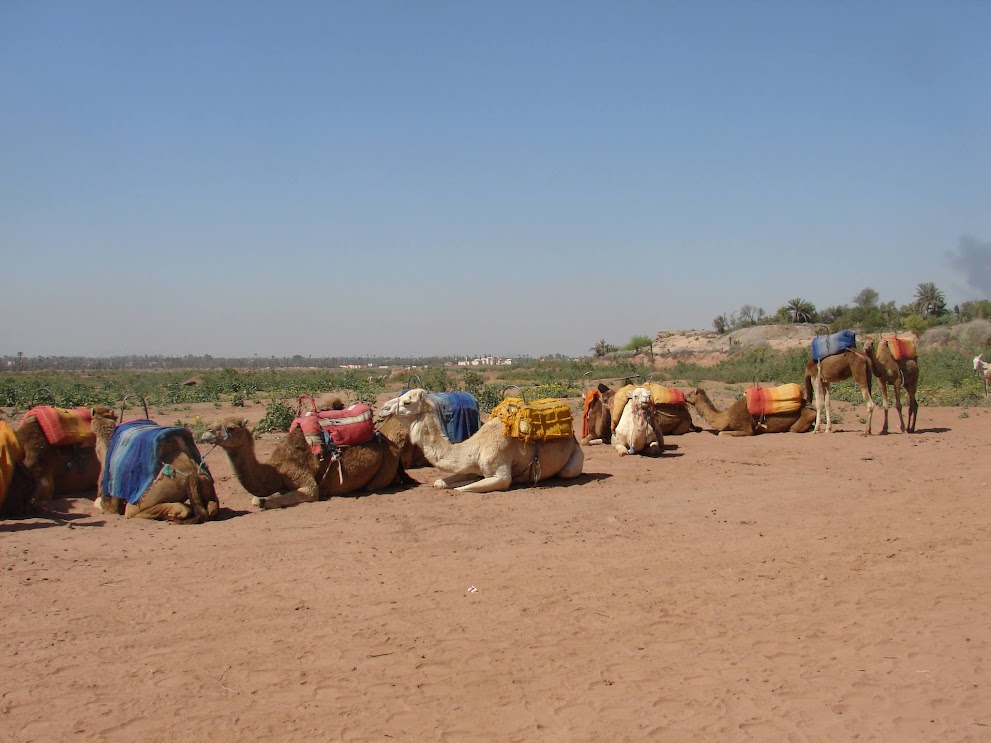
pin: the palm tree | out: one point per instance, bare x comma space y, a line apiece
929, 300
802, 310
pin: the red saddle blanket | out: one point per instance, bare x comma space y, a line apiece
348, 427
902, 348
64, 427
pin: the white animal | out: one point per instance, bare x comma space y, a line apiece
498, 459
983, 368
635, 431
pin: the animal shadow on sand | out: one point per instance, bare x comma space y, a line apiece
932, 430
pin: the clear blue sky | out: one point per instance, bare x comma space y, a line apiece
379, 177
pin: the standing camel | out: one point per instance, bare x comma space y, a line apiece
836, 368
898, 373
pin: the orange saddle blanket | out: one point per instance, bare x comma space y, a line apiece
785, 398
64, 427
902, 348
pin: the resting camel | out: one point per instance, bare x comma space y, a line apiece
635, 432
736, 420
596, 416
294, 475
498, 459
836, 368
668, 419
16, 483
897, 373
179, 479
57, 470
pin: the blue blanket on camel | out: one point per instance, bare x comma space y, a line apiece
134, 460
830, 345
458, 413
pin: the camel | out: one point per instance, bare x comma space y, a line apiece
736, 420
498, 459
836, 368
597, 418
57, 470
294, 475
668, 419
635, 432
16, 482
897, 373
180, 478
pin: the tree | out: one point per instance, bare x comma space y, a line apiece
801, 310
750, 315
929, 300
721, 324
866, 298
601, 348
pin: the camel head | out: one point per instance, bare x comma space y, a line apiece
409, 405
979, 361
868, 345
641, 398
226, 434
102, 411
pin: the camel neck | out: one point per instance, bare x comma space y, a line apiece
426, 433
255, 477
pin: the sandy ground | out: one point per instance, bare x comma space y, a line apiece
783, 587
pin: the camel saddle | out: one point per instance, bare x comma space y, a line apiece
830, 345
11, 453
786, 398
902, 349
134, 459
539, 420
64, 427
323, 428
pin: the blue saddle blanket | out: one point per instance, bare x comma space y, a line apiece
134, 460
458, 413
830, 345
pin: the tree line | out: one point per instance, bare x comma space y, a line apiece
867, 312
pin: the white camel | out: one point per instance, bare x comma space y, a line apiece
635, 431
498, 459
983, 368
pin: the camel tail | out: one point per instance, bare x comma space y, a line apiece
809, 394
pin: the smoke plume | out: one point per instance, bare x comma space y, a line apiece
972, 258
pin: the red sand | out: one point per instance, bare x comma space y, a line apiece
783, 587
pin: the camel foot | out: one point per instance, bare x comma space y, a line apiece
440, 484
257, 502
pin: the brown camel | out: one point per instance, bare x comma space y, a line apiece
897, 373
294, 475
836, 368
57, 470
165, 499
736, 420
597, 425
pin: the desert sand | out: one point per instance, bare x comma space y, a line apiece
778, 588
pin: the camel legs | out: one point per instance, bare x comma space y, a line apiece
821, 390
159, 512
869, 401
501, 480
290, 498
